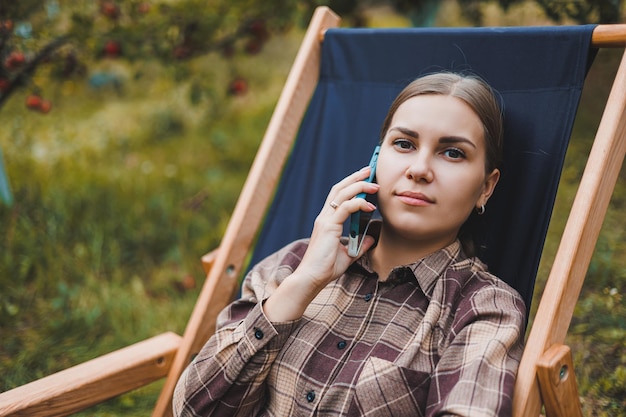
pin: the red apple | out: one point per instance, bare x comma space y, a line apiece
15, 60
33, 101
110, 9
4, 84
258, 29
254, 46
143, 7
45, 106
112, 49
238, 86
6, 25
188, 282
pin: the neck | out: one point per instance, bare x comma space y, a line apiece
393, 250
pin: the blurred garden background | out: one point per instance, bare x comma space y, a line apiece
127, 128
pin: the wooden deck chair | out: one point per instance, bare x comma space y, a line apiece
544, 65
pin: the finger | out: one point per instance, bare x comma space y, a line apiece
355, 204
348, 195
353, 178
334, 219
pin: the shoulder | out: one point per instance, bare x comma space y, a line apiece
482, 292
474, 276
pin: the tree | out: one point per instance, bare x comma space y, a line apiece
65, 37
580, 11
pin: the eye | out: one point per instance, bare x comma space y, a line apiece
403, 144
454, 153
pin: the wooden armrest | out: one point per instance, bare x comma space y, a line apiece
557, 382
209, 259
94, 381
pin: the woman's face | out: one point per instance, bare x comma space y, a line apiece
431, 169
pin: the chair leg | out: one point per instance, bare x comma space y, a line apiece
557, 382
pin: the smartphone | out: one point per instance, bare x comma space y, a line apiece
354, 242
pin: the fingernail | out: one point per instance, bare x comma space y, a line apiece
371, 205
364, 168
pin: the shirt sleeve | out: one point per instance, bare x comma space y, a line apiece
227, 377
476, 374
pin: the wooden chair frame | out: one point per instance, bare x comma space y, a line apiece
546, 371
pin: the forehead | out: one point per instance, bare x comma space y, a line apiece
441, 114
438, 104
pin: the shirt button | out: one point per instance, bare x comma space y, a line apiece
368, 297
258, 333
310, 396
342, 345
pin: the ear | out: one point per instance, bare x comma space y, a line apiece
488, 187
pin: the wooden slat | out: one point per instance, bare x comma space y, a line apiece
208, 260
609, 36
557, 382
221, 283
94, 381
577, 245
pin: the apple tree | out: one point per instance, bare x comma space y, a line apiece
66, 36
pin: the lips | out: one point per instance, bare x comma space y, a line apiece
414, 199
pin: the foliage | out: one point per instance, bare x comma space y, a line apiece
65, 36
43, 43
598, 11
587, 11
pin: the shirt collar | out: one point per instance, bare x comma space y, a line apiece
427, 270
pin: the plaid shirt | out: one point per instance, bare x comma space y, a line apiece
439, 337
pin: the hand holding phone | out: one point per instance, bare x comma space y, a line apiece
354, 243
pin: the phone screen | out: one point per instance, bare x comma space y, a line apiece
355, 232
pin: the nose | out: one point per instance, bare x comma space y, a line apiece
420, 168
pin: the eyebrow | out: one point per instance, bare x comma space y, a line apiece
406, 131
456, 139
443, 140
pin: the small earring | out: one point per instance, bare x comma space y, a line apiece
480, 210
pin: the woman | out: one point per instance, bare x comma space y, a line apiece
412, 326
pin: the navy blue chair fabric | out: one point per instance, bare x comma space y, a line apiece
538, 72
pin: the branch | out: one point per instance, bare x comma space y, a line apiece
30, 67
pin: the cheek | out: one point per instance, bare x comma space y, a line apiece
472, 192
385, 179
463, 185
387, 171
381, 167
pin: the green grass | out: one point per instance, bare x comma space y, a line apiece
120, 192
118, 195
